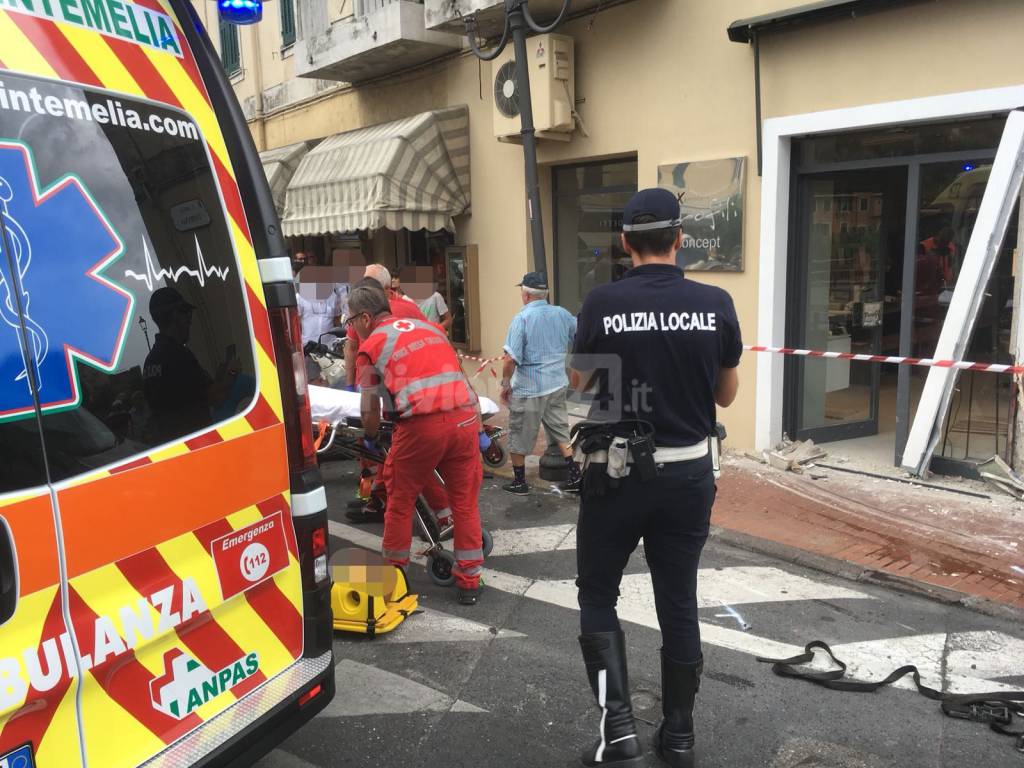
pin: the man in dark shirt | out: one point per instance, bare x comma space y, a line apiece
179, 391
661, 352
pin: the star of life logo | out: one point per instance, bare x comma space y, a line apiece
12, 283
56, 307
186, 684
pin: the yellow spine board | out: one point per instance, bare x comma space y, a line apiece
357, 611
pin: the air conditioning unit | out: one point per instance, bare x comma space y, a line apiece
551, 86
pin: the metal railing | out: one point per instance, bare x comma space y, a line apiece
366, 7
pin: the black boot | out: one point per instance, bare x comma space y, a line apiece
604, 653
679, 685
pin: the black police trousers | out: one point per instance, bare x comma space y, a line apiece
671, 513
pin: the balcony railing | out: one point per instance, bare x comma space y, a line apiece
366, 7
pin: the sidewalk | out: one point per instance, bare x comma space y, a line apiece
948, 546
951, 546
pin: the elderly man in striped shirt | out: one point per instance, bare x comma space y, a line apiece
534, 380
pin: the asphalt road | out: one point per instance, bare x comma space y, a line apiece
502, 683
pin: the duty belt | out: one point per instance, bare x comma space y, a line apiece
662, 455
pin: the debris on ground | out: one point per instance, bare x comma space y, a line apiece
794, 456
999, 474
732, 613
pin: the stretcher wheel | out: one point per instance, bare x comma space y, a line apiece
488, 541
441, 568
495, 456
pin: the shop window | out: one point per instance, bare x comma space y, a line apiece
287, 23
588, 205
230, 50
900, 141
459, 285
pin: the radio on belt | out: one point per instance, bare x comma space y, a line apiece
641, 449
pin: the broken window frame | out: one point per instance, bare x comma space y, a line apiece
997, 204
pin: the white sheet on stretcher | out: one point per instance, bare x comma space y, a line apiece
337, 405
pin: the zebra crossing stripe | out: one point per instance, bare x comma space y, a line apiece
962, 662
432, 626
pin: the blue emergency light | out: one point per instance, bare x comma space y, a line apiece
240, 11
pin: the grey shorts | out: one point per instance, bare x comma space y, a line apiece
526, 414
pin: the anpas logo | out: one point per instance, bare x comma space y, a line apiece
187, 685
56, 307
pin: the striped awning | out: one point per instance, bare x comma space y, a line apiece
279, 166
411, 173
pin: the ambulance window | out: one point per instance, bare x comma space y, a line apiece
21, 456
135, 306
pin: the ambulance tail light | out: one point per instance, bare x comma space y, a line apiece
318, 548
298, 421
318, 541
311, 694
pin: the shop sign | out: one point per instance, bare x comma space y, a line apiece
710, 195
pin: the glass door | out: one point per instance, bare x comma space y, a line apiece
849, 267
588, 205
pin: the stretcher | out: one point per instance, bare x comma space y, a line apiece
334, 408
336, 418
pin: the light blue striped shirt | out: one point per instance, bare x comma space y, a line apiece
538, 340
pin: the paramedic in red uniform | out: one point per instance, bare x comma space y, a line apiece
409, 366
373, 511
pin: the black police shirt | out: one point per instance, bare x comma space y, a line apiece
656, 342
176, 388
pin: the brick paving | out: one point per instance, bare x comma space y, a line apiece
929, 536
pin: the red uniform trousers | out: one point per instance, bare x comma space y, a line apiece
446, 441
433, 492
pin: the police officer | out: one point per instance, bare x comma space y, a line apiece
178, 389
678, 344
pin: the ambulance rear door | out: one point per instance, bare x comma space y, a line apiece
161, 405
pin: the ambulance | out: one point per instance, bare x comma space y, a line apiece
164, 589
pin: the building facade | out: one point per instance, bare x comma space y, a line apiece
831, 159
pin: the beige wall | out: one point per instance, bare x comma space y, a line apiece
660, 80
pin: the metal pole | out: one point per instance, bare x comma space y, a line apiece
518, 27
757, 102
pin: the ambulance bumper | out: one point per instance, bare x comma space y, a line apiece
255, 724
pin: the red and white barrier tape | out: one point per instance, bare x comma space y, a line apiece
960, 365
926, 362
484, 362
